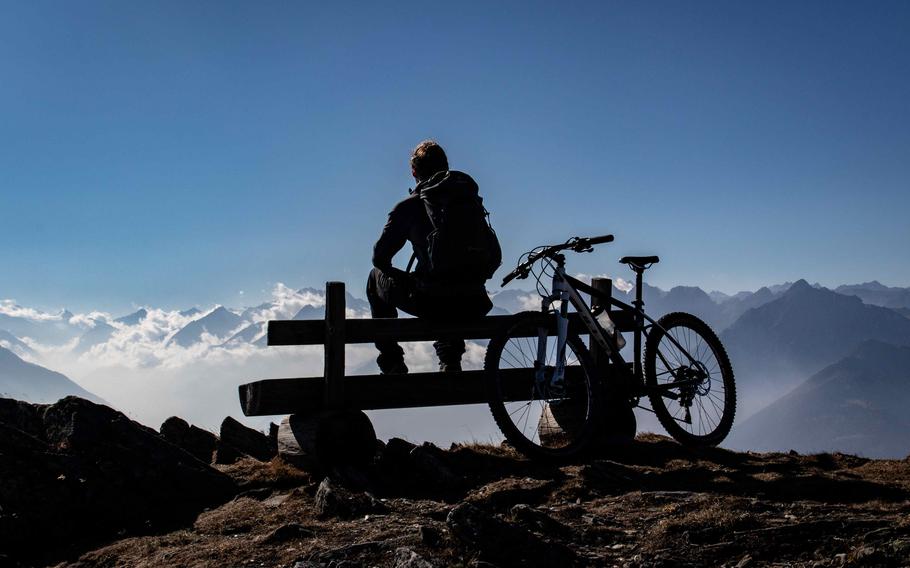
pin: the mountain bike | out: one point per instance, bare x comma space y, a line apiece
551, 397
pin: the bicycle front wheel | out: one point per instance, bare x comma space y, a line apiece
690, 380
540, 416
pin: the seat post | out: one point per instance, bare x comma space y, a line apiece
638, 302
639, 321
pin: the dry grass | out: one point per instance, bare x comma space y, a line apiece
250, 473
242, 515
658, 504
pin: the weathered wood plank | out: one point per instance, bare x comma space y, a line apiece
375, 392
598, 355
312, 332
334, 345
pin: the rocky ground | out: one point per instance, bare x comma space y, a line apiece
652, 503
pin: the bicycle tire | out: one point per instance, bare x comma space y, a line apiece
700, 341
575, 417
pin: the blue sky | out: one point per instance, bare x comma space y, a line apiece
176, 153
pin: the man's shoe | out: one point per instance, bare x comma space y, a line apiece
392, 363
395, 368
449, 367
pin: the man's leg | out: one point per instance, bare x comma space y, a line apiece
386, 295
450, 351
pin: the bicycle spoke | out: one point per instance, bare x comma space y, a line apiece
546, 420
518, 364
522, 407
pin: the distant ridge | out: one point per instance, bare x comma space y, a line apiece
134, 318
14, 344
97, 335
876, 293
33, 383
857, 405
220, 323
804, 330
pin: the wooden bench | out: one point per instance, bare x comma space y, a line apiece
321, 400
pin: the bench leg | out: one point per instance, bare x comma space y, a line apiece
327, 439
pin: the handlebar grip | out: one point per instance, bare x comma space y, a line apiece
599, 240
509, 277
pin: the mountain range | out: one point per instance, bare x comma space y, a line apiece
777, 336
878, 294
246, 325
219, 323
778, 344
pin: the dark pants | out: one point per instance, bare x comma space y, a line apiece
387, 295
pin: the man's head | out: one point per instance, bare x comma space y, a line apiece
427, 159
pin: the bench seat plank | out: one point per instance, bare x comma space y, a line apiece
375, 392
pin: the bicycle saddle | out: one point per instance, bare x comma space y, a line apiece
639, 261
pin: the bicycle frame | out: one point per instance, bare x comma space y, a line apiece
566, 290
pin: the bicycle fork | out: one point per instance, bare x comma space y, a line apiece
556, 383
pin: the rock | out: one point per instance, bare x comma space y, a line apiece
296, 441
393, 465
246, 440
430, 536
511, 491
258, 493
23, 416
536, 520
503, 542
226, 454
89, 473
198, 442
273, 437
407, 558
744, 562
284, 533
610, 475
398, 447
174, 428
430, 465
332, 500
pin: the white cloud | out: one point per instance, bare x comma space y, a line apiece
285, 303
90, 320
138, 372
624, 285
10, 308
530, 302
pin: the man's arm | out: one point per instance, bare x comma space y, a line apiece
394, 236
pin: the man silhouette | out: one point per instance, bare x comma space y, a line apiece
422, 293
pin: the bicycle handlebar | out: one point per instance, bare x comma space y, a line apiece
578, 244
599, 240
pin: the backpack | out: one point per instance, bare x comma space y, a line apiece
462, 246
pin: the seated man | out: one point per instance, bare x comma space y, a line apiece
455, 256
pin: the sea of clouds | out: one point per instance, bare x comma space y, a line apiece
138, 370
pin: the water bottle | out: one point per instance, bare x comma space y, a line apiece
605, 322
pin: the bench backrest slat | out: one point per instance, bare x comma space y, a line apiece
312, 332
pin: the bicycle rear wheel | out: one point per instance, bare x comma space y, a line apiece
699, 412
538, 418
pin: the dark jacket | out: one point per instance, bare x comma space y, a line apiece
408, 221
